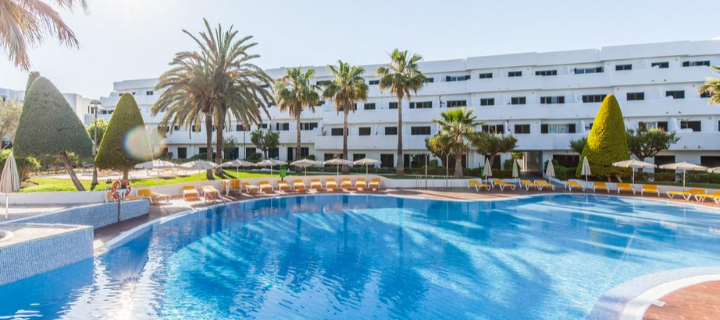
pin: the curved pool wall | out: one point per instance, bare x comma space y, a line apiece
544, 257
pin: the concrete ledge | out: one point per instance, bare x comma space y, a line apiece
37, 248
97, 215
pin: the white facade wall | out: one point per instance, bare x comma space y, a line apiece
653, 82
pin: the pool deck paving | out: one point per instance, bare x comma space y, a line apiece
701, 301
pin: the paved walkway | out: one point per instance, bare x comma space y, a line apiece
701, 302
23, 211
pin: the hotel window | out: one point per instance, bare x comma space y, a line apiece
635, 96
364, 131
390, 131
421, 105
557, 128
457, 78
336, 131
358, 156
623, 67
517, 100
552, 100
250, 151
387, 160
374, 82
661, 65
149, 93
330, 156
323, 82
485, 75
369, 106
176, 128
239, 127
456, 103
656, 125
274, 153
588, 70
705, 94
676, 94
705, 63
545, 73
487, 101
494, 128
282, 126
182, 153
393, 105
513, 74
263, 126
195, 128
429, 80
694, 125
320, 103
593, 98
420, 131
265, 86
307, 126
522, 129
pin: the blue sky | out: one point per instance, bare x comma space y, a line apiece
130, 39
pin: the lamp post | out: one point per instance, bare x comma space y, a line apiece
94, 105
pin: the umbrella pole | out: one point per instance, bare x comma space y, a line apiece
683, 180
7, 205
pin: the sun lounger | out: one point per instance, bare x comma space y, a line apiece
264, 186
528, 184
360, 184
299, 185
502, 184
249, 188
544, 184
650, 188
478, 185
715, 196
330, 185
346, 183
574, 184
315, 184
209, 192
152, 196
284, 186
600, 185
625, 187
686, 194
190, 193
235, 186
374, 184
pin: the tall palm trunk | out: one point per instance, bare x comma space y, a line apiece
345, 169
458, 165
219, 143
208, 144
297, 143
68, 167
400, 167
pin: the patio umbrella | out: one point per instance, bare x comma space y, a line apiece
271, 163
684, 166
550, 170
338, 162
155, 164
515, 173
488, 170
10, 181
714, 170
199, 165
585, 168
633, 164
366, 162
304, 163
237, 164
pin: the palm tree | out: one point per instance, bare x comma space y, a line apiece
347, 88
456, 129
293, 92
491, 145
23, 25
712, 87
401, 77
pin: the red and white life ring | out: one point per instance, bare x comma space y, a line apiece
119, 183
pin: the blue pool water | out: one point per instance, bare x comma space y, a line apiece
374, 257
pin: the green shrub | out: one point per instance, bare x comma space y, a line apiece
125, 142
255, 157
434, 164
607, 142
24, 165
564, 173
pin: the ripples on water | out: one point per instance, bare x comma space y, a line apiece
366, 257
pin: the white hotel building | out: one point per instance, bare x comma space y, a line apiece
544, 99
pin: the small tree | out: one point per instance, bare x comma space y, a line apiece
102, 126
265, 140
578, 145
125, 143
456, 129
491, 145
229, 146
607, 142
435, 146
9, 118
648, 143
49, 126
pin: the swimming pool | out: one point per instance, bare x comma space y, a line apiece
365, 257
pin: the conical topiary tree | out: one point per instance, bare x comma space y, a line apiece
48, 126
125, 142
607, 142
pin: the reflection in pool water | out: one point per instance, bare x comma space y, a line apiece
362, 257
